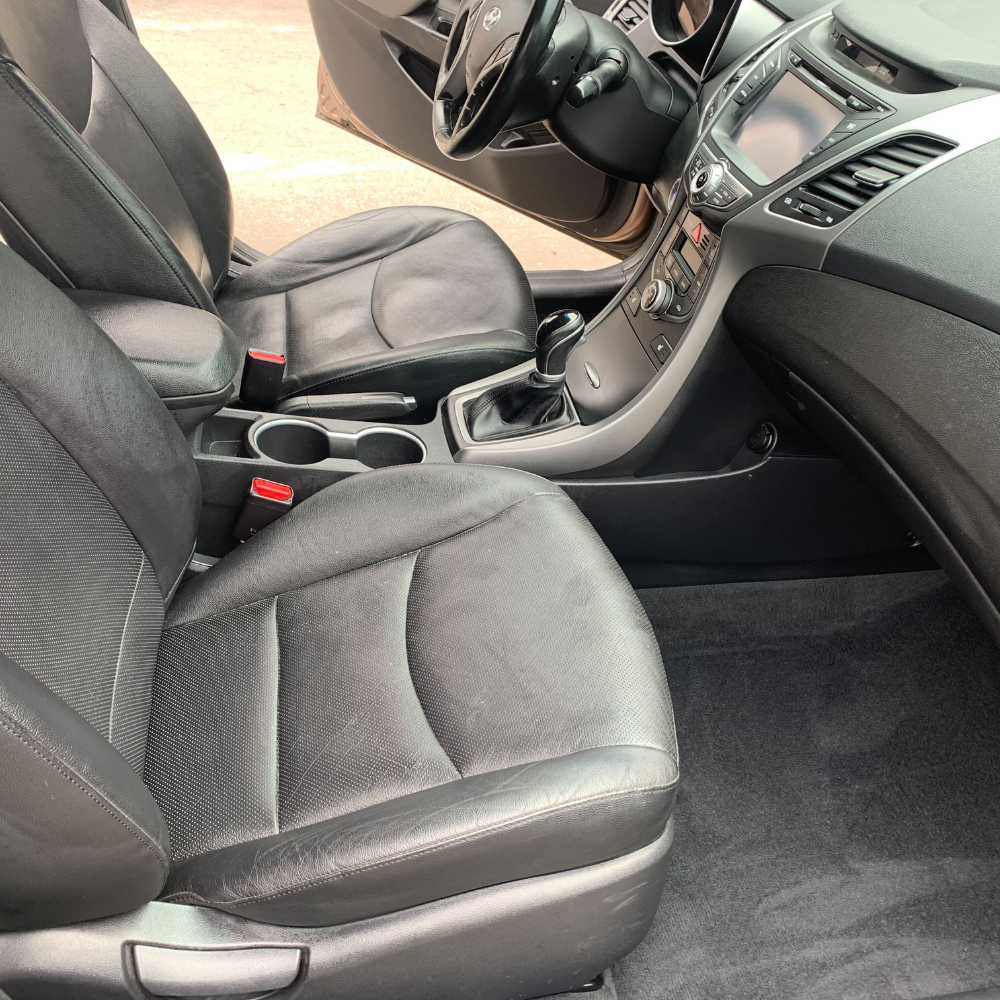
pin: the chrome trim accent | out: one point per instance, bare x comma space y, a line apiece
332, 435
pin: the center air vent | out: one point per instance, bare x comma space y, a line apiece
630, 14
834, 195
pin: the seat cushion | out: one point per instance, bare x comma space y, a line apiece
415, 300
419, 682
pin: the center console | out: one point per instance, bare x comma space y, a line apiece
783, 154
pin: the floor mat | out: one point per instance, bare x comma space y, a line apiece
838, 823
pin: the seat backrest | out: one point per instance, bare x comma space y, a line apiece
107, 179
99, 506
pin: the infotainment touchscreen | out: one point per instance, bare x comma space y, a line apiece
787, 123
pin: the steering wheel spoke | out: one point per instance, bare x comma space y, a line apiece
451, 81
479, 94
492, 55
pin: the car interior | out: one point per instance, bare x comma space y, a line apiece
379, 621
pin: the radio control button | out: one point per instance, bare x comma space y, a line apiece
856, 104
661, 348
851, 125
680, 307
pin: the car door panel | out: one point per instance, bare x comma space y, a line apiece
376, 78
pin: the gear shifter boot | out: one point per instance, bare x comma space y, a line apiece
537, 399
517, 408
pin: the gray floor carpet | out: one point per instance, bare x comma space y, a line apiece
839, 815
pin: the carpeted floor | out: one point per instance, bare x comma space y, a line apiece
839, 815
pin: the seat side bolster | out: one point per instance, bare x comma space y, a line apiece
534, 819
82, 836
356, 522
172, 126
78, 210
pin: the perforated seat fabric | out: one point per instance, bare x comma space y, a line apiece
108, 182
419, 682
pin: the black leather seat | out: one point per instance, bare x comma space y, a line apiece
423, 710
109, 182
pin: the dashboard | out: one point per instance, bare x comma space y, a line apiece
831, 207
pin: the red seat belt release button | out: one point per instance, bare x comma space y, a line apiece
261, 382
266, 502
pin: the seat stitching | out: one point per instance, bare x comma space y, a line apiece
143, 838
121, 646
277, 723
288, 325
409, 668
37, 113
512, 824
371, 304
378, 562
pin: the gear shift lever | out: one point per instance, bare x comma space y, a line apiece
536, 400
557, 335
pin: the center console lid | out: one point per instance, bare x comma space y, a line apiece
189, 356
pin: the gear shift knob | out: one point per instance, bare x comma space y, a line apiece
557, 335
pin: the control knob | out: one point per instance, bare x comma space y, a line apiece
657, 296
707, 182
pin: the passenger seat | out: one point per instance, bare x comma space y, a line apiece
412, 740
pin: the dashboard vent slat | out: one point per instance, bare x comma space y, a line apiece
839, 191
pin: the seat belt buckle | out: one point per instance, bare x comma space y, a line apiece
266, 502
261, 382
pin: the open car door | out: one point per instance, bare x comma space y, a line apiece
379, 63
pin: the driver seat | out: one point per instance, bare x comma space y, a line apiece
108, 182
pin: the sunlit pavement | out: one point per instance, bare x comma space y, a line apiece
248, 67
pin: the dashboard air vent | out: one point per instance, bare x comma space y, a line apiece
832, 196
631, 14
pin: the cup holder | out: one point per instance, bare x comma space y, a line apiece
301, 442
378, 449
292, 442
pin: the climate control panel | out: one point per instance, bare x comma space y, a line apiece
668, 291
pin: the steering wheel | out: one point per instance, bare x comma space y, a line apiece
494, 52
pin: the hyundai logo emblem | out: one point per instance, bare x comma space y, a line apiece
491, 18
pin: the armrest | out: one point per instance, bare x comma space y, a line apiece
189, 356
